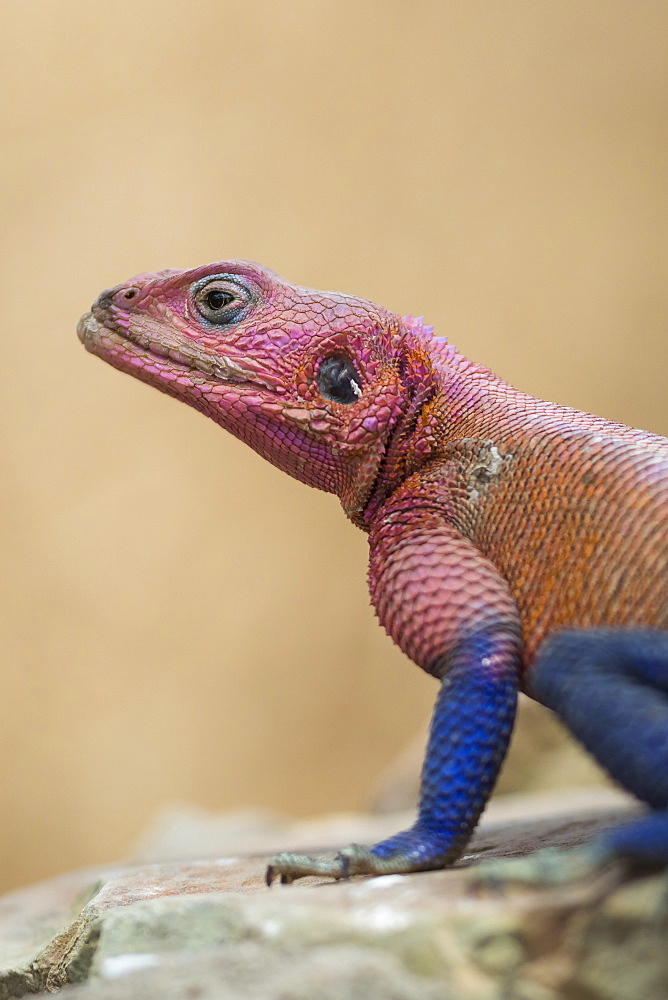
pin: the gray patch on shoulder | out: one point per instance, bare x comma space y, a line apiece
486, 468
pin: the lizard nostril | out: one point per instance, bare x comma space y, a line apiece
124, 294
120, 295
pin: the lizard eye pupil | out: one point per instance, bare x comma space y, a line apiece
338, 379
217, 298
221, 301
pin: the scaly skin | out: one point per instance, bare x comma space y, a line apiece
495, 520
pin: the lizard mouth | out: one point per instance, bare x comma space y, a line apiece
109, 340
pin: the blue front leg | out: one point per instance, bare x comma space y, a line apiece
470, 730
448, 608
610, 687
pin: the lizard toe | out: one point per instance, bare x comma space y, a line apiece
289, 867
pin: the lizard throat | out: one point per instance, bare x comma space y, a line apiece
406, 452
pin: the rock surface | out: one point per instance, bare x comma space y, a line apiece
211, 929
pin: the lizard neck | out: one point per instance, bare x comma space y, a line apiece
444, 400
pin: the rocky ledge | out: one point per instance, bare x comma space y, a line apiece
211, 930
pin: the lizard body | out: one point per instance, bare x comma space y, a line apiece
514, 543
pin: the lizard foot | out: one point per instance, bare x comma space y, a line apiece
413, 850
353, 860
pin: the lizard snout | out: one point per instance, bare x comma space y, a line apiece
91, 323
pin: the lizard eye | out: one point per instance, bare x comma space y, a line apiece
338, 379
220, 300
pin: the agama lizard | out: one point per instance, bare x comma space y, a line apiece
514, 543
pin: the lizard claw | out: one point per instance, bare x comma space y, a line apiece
353, 860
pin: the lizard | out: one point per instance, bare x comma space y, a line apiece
514, 544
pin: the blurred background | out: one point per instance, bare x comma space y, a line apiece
180, 621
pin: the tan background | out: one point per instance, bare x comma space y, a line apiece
179, 620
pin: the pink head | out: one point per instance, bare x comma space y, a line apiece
313, 381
